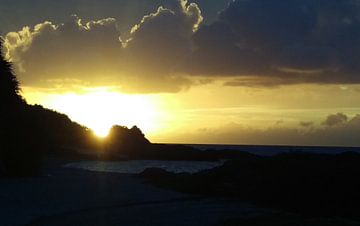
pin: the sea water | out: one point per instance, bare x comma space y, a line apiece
138, 166
271, 150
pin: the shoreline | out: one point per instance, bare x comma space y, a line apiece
62, 196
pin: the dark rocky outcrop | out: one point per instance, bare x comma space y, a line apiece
313, 184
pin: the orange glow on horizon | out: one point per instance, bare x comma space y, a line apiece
99, 110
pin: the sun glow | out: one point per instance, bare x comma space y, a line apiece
101, 130
100, 110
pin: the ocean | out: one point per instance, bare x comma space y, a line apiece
138, 166
270, 150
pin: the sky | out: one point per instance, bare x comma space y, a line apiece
206, 71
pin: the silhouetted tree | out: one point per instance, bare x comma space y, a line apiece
9, 85
19, 146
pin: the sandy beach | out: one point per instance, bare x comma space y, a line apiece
63, 196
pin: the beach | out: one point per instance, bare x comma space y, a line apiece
248, 190
65, 196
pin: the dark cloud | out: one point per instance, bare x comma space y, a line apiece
336, 119
300, 41
211, 9
19, 13
160, 41
306, 124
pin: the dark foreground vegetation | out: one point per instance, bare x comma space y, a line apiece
311, 184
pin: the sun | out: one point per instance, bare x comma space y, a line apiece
101, 131
100, 110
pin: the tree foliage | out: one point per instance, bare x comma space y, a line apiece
9, 85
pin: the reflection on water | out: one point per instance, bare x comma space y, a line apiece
138, 166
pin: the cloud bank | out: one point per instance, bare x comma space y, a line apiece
343, 133
252, 43
93, 53
259, 42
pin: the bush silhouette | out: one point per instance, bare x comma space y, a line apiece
20, 152
9, 85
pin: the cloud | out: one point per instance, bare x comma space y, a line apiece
252, 43
51, 54
281, 42
306, 124
344, 134
93, 54
160, 41
335, 119
16, 14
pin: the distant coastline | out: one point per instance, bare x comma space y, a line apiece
269, 150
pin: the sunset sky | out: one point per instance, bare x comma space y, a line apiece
202, 71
